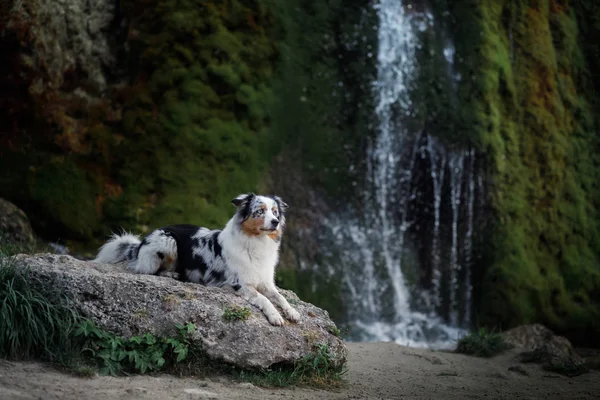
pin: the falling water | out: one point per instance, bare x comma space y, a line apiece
456, 168
405, 259
437, 158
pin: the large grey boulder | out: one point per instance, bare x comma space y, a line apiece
129, 304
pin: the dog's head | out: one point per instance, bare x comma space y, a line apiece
261, 215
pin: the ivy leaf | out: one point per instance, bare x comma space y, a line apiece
143, 367
149, 338
181, 352
190, 327
136, 340
132, 355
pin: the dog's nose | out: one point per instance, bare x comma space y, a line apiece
274, 222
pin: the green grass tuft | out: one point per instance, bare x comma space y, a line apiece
482, 343
35, 322
236, 313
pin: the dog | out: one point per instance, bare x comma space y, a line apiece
243, 255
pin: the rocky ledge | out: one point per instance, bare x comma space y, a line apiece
129, 304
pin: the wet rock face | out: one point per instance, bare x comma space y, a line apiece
129, 304
14, 224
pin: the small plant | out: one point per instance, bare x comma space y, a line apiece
235, 313
147, 353
319, 367
83, 371
334, 330
482, 343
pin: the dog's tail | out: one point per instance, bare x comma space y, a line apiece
119, 248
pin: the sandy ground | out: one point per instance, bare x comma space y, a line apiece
376, 371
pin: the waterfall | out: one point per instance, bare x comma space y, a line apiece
405, 259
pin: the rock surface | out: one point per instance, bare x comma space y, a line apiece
129, 304
543, 346
14, 224
68, 35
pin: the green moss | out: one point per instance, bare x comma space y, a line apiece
533, 120
236, 313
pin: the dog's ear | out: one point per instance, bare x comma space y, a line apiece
282, 205
242, 199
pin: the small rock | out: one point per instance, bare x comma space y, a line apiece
544, 347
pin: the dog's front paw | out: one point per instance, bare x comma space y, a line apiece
292, 315
276, 319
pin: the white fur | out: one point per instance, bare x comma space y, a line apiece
253, 261
109, 253
147, 261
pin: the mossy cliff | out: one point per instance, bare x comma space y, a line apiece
528, 104
165, 125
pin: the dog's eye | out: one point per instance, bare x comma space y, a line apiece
260, 212
275, 212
